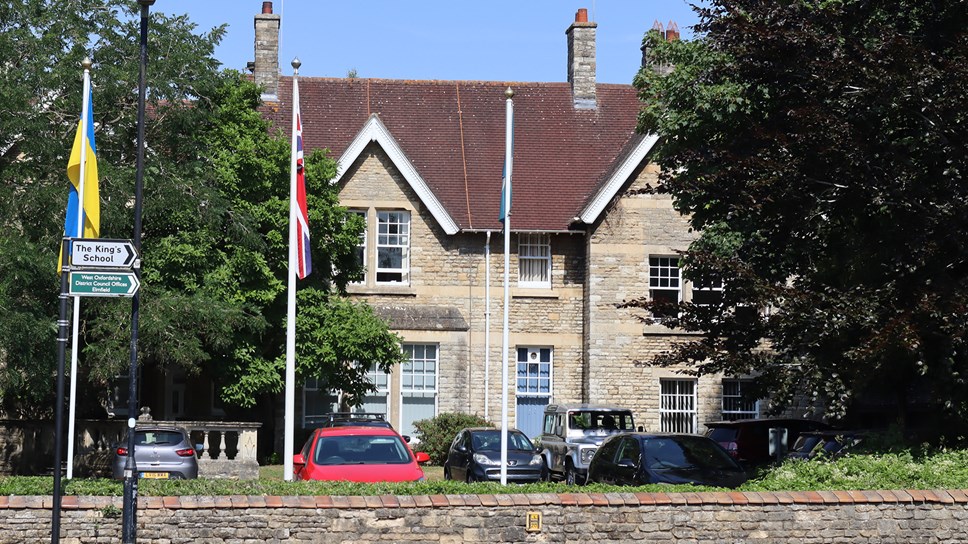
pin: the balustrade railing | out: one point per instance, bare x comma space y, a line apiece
226, 449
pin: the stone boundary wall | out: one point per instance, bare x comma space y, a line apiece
908, 516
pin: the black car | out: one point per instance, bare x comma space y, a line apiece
475, 456
825, 444
748, 440
160, 451
650, 458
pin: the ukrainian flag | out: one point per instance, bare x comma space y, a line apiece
91, 208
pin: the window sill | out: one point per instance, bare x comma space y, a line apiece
533, 292
390, 290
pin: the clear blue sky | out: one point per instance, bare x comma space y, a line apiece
493, 40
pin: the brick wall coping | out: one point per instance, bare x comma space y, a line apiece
735, 498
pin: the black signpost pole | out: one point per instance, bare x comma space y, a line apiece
62, 338
130, 504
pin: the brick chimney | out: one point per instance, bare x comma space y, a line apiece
581, 60
669, 34
266, 65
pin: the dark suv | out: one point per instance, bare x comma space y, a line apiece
353, 419
748, 440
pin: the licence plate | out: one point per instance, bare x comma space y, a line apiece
155, 475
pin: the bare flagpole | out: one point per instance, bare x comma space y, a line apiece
506, 207
289, 419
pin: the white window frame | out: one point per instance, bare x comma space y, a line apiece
534, 260
733, 398
678, 405
400, 239
716, 287
409, 390
363, 244
665, 275
373, 375
532, 356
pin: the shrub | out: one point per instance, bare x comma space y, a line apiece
436, 434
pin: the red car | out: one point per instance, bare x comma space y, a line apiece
358, 454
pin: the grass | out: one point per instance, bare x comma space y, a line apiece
274, 472
940, 469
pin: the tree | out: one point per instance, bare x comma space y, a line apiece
819, 147
215, 215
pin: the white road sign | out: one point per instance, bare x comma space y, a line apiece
98, 253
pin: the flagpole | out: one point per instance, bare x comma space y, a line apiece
289, 419
487, 326
75, 325
506, 195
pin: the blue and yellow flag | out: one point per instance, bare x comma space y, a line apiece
91, 208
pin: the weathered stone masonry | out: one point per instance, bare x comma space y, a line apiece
910, 516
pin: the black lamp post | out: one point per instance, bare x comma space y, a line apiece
130, 501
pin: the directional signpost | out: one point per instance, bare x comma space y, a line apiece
103, 284
97, 253
103, 268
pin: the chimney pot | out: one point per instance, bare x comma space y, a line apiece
672, 32
581, 16
267, 7
657, 26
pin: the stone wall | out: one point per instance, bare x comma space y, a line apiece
908, 517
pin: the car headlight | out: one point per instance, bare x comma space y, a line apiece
482, 459
536, 460
587, 454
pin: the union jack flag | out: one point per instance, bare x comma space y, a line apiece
304, 259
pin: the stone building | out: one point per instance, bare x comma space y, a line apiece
422, 162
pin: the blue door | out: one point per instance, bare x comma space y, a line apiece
530, 414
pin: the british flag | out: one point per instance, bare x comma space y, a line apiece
303, 256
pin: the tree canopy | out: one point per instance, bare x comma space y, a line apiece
215, 218
819, 147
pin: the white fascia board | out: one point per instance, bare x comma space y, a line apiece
375, 131
593, 211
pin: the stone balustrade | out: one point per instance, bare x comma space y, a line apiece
227, 449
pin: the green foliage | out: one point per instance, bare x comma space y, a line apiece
215, 218
898, 470
437, 433
819, 148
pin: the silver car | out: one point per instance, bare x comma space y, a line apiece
163, 452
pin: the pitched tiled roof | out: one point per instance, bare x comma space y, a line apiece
453, 134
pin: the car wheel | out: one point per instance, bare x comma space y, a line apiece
446, 473
571, 475
470, 476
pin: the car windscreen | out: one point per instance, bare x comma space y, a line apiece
685, 452
722, 434
491, 441
594, 420
360, 450
806, 443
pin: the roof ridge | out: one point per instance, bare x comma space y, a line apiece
447, 82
